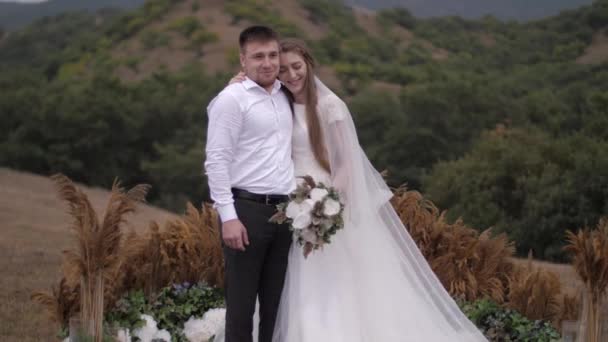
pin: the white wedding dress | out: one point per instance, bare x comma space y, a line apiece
361, 286
371, 283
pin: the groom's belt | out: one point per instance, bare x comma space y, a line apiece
264, 199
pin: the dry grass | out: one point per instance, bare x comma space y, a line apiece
35, 231
96, 258
590, 260
475, 265
61, 302
469, 264
536, 293
186, 249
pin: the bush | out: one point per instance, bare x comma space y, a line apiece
397, 16
598, 15
526, 183
186, 26
171, 308
260, 13
195, 6
153, 39
132, 22
200, 38
500, 324
338, 17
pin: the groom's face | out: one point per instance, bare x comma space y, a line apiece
260, 61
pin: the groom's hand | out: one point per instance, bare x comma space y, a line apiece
235, 234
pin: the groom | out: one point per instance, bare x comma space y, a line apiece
250, 170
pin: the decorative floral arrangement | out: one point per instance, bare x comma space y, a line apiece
205, 329
178, 313
314, 213
149, 332
195, 329
503, 324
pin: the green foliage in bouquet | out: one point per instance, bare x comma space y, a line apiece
171, 308
501, 324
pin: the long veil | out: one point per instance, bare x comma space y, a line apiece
367, 204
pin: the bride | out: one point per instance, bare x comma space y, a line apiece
371, 283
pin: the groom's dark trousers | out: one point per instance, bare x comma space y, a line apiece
257, 271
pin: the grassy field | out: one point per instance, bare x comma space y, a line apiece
34, 229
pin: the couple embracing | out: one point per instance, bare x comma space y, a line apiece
274, 123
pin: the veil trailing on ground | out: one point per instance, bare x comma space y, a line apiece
367, 205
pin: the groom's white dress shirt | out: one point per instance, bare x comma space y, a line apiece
248, 144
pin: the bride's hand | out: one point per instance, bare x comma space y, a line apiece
240, 77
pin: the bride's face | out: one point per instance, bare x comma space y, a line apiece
292, 72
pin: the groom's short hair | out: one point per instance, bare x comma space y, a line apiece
257, 33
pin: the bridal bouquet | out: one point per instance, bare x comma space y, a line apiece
314, 213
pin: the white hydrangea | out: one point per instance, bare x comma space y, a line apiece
202, 329
150, 331
162, 335
217, 317
123, 335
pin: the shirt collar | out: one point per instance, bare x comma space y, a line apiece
249, 84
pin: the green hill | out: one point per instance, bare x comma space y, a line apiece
521, 10
16, 15
501, 123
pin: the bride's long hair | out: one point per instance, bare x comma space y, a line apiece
312, 115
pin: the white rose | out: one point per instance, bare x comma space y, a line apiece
302, 221
308, 205
293, 209
150, 331
331, 207
317, 194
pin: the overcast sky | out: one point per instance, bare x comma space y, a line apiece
24, 1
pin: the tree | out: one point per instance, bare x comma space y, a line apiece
598, 14
200, 38
526, 183
397, 16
